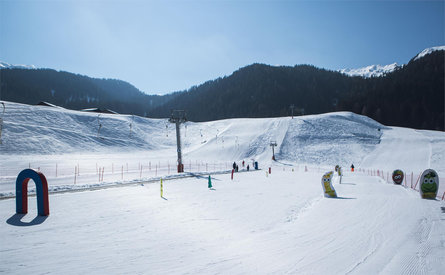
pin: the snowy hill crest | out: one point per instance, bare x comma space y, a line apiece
381, 70
371, 71
428, 51
4, 65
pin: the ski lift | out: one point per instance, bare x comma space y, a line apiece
1, 121
131, 123
99, 127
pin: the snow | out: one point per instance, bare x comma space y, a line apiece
428, 51
4, 65
256, 223
372, 228
381, 70
371, 71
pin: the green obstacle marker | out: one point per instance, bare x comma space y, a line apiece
429, 184
210, 182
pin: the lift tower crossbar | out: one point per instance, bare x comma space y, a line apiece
178, 117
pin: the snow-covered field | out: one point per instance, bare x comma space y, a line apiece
256, 223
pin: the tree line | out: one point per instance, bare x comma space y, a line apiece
411, 96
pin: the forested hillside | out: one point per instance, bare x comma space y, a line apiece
411, 96
74, 91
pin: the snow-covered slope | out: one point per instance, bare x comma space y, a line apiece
379, 70
4, 65
428, 51
370, 71
280, 224
59, 141
257, 223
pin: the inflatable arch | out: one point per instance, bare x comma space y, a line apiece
21, 192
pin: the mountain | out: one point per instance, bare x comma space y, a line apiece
410, 95
371, 71
75, 91
4, 65
379, 70
429, 51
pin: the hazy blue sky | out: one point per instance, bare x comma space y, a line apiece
165, 46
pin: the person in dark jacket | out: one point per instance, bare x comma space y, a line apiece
234, 165
352, 168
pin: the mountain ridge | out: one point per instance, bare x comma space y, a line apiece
256, 90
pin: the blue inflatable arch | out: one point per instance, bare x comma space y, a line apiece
21, 192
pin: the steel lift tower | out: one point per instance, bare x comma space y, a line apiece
178, 117
273, 144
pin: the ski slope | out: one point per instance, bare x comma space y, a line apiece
251, 225
126, 148
257, 223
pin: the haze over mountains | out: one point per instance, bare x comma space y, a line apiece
410, 95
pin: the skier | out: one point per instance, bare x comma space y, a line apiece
247, 167
352, 167
243, 163
234, 165
236, 169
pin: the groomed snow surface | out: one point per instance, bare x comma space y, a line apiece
257, 223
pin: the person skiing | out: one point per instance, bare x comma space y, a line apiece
243, 163
236, 169
247, 167
352, 168
234, 165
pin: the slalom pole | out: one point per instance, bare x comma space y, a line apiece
162, 189
417, 181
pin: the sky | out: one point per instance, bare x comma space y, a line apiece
166, 46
